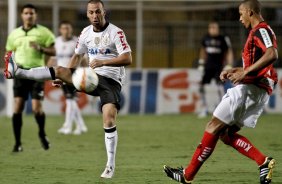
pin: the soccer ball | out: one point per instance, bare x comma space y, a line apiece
85, 79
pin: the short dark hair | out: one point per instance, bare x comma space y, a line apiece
96, 1
65, 22
253, 5
29, 6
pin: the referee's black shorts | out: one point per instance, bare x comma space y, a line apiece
109, 91
25, 87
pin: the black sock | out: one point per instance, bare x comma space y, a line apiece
40, 119
17, 126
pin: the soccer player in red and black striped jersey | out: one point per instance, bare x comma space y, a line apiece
242, 104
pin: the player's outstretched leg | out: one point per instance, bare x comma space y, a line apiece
246, 148
266, 170
176, 174
38, 74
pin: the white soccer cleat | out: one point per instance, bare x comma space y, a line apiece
77, 131
10, 65
65, 131
84, 129
108, 172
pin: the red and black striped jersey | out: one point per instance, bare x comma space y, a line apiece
260, 38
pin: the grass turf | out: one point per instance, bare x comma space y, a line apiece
146, 143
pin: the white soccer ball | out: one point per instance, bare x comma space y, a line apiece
85, 79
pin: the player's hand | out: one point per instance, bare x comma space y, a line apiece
35, 45
57, 83
223, 75
237, 76
95, 63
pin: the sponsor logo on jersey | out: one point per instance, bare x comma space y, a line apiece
96, 51
122, 40
97, 41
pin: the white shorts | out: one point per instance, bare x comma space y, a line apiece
242, 105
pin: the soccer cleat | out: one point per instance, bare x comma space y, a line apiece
44, 141
84, 129
65, 131
176, 174
108, 172
17, 148
10, 65
77, 131
266, 170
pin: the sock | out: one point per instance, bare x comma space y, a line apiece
40, 119
17, 126
78, 117
202, 153
111, 139
69, 114
245, 147
37, 74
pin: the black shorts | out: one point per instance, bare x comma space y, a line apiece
108, 90
25, 87
210, 74
69, 91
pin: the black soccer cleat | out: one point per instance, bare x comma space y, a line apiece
17, 148
176, 174
44, 141
266, 170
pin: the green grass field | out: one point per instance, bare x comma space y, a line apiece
146, 143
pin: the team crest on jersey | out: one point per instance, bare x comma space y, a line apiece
97, 41
106, 40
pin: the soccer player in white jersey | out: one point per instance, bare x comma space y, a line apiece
65, 45
108, 53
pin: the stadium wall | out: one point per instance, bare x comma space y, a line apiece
147, 91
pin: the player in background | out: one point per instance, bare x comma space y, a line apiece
215, 55
108, 53
65, 45
30, 43
242, 104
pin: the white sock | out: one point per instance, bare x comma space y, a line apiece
111, 139
77, 116
69, 115
37, 74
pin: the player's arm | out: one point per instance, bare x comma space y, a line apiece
50, 51
122, 60
75, 60
52, 61
268, 58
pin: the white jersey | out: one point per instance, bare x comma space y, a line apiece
64, 50
107, 44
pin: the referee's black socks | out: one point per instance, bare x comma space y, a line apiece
40, 119
17, 126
